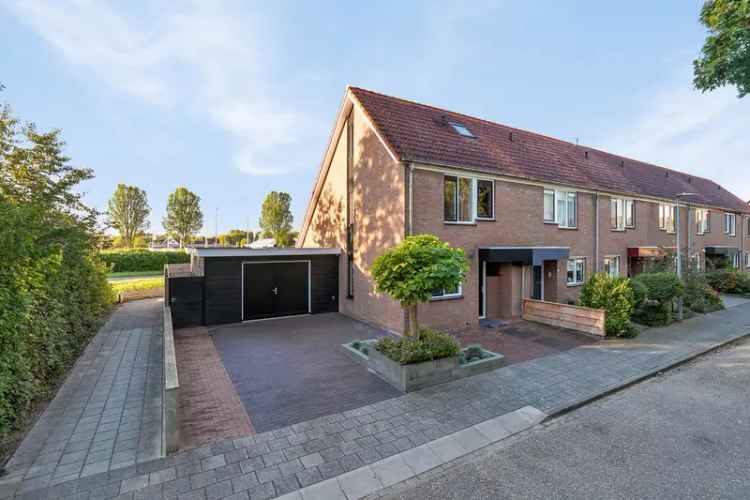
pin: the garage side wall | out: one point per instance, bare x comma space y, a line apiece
223, 285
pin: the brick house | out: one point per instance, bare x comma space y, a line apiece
535, 215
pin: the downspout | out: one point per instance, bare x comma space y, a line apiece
596, 232
410, 166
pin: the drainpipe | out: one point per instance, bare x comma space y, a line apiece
596, 232
410, 166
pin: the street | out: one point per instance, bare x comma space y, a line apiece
685, 434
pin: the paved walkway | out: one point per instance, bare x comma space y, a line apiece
209, 406
284, 460
108, 414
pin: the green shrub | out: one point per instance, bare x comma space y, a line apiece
729, 281
699, 296
53, 289
661, 287
639, 293
615, 296
425, 346
141, 260
661, 290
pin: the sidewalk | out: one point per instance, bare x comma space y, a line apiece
107, 414
288, 459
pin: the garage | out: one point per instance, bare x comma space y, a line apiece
244, 284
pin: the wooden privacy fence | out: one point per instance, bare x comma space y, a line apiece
582, 319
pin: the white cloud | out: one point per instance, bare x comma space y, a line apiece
703, 134
200, 58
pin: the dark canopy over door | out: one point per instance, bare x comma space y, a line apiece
275, 289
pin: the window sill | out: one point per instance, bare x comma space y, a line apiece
449, 297
449, 223
615, 230
573, 285
551, 222
486, 219
566, 228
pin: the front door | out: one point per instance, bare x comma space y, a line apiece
275, 289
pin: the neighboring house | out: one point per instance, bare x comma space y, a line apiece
535, 215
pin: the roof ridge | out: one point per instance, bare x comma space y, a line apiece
530, 132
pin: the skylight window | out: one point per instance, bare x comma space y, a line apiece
461, 129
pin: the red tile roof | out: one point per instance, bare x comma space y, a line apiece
421, 133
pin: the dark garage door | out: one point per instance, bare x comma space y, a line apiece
273, 289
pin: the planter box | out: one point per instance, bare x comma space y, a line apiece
416, 376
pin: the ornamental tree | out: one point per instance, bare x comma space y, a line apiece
416, 267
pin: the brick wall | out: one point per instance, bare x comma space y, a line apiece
377, 216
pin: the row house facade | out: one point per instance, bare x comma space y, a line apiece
536, 216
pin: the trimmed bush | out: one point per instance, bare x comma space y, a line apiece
141, 260
639, 293
615, 296
661, 291
425, 346
729, 281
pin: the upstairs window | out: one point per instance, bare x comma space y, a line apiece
730, 224
630, 214
457, 199
702, 221
667, 214
461, 129
485, 199
466, 199
561, 208
622, 214
549, 205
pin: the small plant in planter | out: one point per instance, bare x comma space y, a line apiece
416, 267
427, 345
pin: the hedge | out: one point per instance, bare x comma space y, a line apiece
729, 281
141, 260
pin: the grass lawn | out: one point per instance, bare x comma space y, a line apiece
132, 274
138, 284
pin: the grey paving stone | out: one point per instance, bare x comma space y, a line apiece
219, 490
359, 483
392, 470
291, 467
162, 476
134, 483
252, 464
262, 492
268, 474
285, 485
309, 476
213, 462
244, 482
312, 459
202, 479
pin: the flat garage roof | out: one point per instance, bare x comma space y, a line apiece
260, 252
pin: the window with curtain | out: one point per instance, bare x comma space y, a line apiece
457, 199
576, 271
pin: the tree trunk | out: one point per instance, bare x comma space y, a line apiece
413, 328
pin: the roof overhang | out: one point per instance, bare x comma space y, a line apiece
527, 255
652, 251
261, 252
729, 251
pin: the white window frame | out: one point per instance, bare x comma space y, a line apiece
472, 199
458, 294
667, 223
631, 203
554, 206
560, 195
736, 260
575, 261
608, 261
747, 260
730, 224
474, 182
703, 221
476, 198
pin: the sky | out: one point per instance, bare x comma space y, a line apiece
233, 99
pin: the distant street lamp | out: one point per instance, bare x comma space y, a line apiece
680, 312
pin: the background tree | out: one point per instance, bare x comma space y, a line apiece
412, 270
276, 218
184, 217
128, 213
233, 237
725, 58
